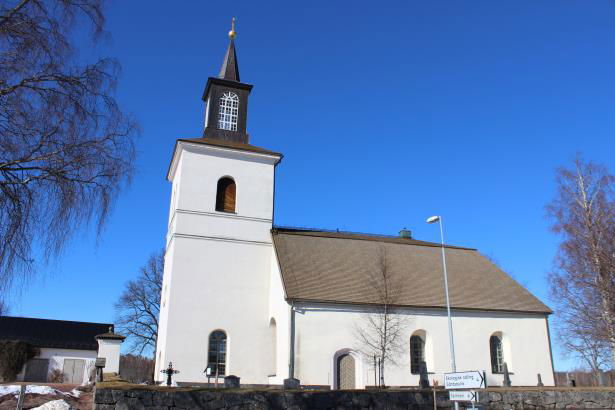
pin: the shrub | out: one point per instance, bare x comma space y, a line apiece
13, 355
56, 376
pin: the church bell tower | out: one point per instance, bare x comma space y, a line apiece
226, 99
214, 310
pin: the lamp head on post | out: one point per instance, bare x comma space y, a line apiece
433, 219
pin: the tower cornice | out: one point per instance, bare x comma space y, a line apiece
204, 145
225, 83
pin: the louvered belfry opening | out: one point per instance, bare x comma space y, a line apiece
225, 195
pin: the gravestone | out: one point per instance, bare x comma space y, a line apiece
540, 383
232, 382
423, 378
507, 382
292, 384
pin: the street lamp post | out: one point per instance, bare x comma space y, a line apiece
432, 220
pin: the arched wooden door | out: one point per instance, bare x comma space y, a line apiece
345, 372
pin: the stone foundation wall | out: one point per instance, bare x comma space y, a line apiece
157, 398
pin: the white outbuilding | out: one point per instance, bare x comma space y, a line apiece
66, 351
244, 297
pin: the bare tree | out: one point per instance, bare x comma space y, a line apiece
593, 353
380, 332
66, 148
138, 308
583, 282
3, 308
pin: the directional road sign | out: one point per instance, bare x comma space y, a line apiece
464, 380
463, 395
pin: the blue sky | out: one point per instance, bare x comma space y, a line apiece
386, 112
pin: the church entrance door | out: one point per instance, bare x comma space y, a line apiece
345, 372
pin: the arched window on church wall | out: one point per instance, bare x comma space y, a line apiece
497, 353
216, 355
273, 336
225, 195
417, 352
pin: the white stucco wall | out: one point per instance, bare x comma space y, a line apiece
56, 360
110, 350
221, 273
279, 309
218, 265
324, 330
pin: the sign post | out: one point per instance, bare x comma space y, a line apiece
100, 364
463, 395
465, 381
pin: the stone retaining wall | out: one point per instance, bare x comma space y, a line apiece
157, 398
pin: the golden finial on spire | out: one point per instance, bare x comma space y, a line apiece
232, 34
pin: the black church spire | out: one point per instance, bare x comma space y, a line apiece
227, 99
230, 67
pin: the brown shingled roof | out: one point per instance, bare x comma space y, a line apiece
335, 267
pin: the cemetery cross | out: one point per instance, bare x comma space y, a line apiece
170, 371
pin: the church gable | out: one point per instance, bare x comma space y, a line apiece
335, 267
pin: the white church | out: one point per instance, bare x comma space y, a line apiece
246, 298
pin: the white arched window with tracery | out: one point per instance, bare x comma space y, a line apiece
229, 111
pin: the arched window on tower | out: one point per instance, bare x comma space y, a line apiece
216, 356
229, 111
417, 353
225, 195
497, 354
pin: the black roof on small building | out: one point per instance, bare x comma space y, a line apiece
60, 334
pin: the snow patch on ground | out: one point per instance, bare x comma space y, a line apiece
54, 405
42, 390
11, 389
32, 389
75, 393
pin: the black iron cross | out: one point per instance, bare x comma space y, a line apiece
170, 371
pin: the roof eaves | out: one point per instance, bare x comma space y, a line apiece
337, 302
237, 147
363, 237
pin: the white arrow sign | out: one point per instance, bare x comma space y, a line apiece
464, 380
463, 395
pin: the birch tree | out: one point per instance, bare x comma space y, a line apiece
138, 308
593, 353
380, 332
66, 147
583, 281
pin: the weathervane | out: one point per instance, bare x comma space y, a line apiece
232, 34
